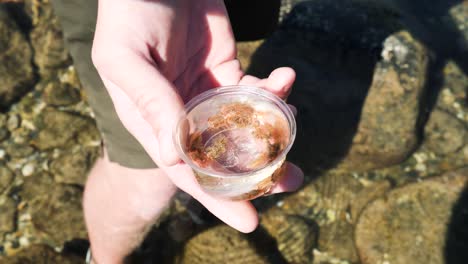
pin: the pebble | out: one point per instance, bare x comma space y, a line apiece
420, 157
25, 217
3, 120
45, 165
28, 169
21, 205
2, 154
331, 215
28, 124
4, 134
13, 122
24, 241
420, 167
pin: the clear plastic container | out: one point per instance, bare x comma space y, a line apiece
236, 139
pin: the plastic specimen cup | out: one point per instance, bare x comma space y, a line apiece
236, 139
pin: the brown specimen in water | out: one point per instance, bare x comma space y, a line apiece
230, 116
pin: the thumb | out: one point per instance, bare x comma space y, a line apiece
154, 96
161, 106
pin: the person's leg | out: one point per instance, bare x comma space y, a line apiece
120, 203
120, 206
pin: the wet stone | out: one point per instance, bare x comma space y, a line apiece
6, 178
46, 37
4, 134
60, 94
367, 195
3, 155
40, 254
459, 15
90, 136
58, 129
28, 169
444, 148
295, 236
13, 122
453, 95
410, 224
59, 214
18, 150
3, 119
387, 132
444, 133
334, 201
16, 70
220, 244
36, 186
72, 167
8, 215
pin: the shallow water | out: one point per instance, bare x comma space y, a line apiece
381, 93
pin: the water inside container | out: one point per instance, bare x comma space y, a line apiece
237, 150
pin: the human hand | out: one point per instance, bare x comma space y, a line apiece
154, 56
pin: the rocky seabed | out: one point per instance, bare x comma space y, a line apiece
381, 93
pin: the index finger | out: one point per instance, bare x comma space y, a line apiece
240, 215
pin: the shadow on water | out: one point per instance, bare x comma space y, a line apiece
266, 246
456, 240
334, 47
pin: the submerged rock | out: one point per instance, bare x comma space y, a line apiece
334, 201
36, 186
16, 70
59, 129
18, 150
453, 95
295, 236
444, 133
55, 209
220, 244
388, 127
59, 214
459, 17
60, 94
6, 178
72, 167
4, 134
409, 224
40, 254
46, 37
8, 215
13, 122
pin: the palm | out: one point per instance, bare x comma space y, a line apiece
199, 51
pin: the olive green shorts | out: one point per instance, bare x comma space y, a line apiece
78, 20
